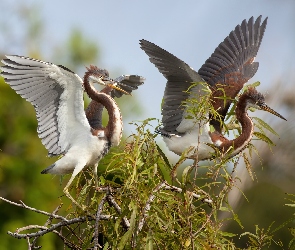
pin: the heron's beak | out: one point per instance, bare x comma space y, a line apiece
113, 86
270, 110
110, 83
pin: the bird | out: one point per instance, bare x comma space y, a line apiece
224, 74
64, 128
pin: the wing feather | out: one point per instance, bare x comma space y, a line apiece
232, 63
128, 83
180, 77
55, 93
237, 49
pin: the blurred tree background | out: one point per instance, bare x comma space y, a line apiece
22, 156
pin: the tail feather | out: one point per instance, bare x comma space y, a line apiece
46, 170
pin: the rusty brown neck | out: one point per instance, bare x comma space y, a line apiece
239, 143
94, 111
113, 130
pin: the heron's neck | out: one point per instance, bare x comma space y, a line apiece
113, 130
239, 143
95, 109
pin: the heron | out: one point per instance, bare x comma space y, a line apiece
224, 73
64, 128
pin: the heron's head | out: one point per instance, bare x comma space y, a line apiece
256, 100
101, 76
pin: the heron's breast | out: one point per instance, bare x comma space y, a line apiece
178, 144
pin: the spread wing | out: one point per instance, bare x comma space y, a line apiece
57, 96
125, 82
180, 77
232, 63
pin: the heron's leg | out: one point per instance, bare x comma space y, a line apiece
95, 175
66, 192
66, 189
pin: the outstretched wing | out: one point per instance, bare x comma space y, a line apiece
57, 96
125, 82
232, 64
180, 77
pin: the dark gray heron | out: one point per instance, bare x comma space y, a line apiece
226, 71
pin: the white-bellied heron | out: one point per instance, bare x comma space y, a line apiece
63, 126
226, 71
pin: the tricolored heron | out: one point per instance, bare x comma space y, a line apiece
57, 96
225, 72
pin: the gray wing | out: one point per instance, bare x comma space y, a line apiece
232, 63
127, 83
236, 53
95, 109
57, 96
180, 77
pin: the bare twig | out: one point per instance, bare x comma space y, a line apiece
46, 230
66, 241
179, 190
109, 197
32, 246
191, 227
113, 203
49, 221
107, 189
147, 207
98, 214
55, 216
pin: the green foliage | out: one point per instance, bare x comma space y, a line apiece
261, 239
136, 173
144, 185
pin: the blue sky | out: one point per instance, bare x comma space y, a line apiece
189, 29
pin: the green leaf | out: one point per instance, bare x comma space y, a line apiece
265, 125
106, 246
185, 173
225, 209
227, 234
248, 166
264, 138
165, 169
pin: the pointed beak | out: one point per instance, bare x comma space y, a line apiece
113, 86
270, 110
110, 83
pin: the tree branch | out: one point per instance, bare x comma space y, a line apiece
51, 215
113, 203
98, 214
46, 230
